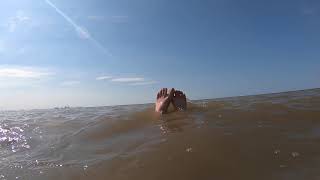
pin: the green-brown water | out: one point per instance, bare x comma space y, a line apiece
274, 136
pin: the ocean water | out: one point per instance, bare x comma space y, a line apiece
272, 136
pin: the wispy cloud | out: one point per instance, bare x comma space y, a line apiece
134, 81
81, 31
143, 83
22, 72
104, 77
26, 77
70, 83
128, 79
17, 20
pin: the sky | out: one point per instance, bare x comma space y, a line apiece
57, 53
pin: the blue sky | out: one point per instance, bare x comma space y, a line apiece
107, 52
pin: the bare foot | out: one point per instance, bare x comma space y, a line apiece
163, 100
179, 100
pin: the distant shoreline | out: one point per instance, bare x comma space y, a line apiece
220, 98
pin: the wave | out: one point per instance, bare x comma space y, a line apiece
255, 137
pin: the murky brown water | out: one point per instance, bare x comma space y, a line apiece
275, 136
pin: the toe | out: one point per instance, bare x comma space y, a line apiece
178, 93
162, 92
171, 92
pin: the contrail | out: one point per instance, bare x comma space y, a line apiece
81, 31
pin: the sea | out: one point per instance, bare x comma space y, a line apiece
260, 137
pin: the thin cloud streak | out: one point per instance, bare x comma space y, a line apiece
103, 78
15, 21
132, 81
128, 79
22, 73
82, 32
143, 83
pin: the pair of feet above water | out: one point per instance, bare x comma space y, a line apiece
165, 97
